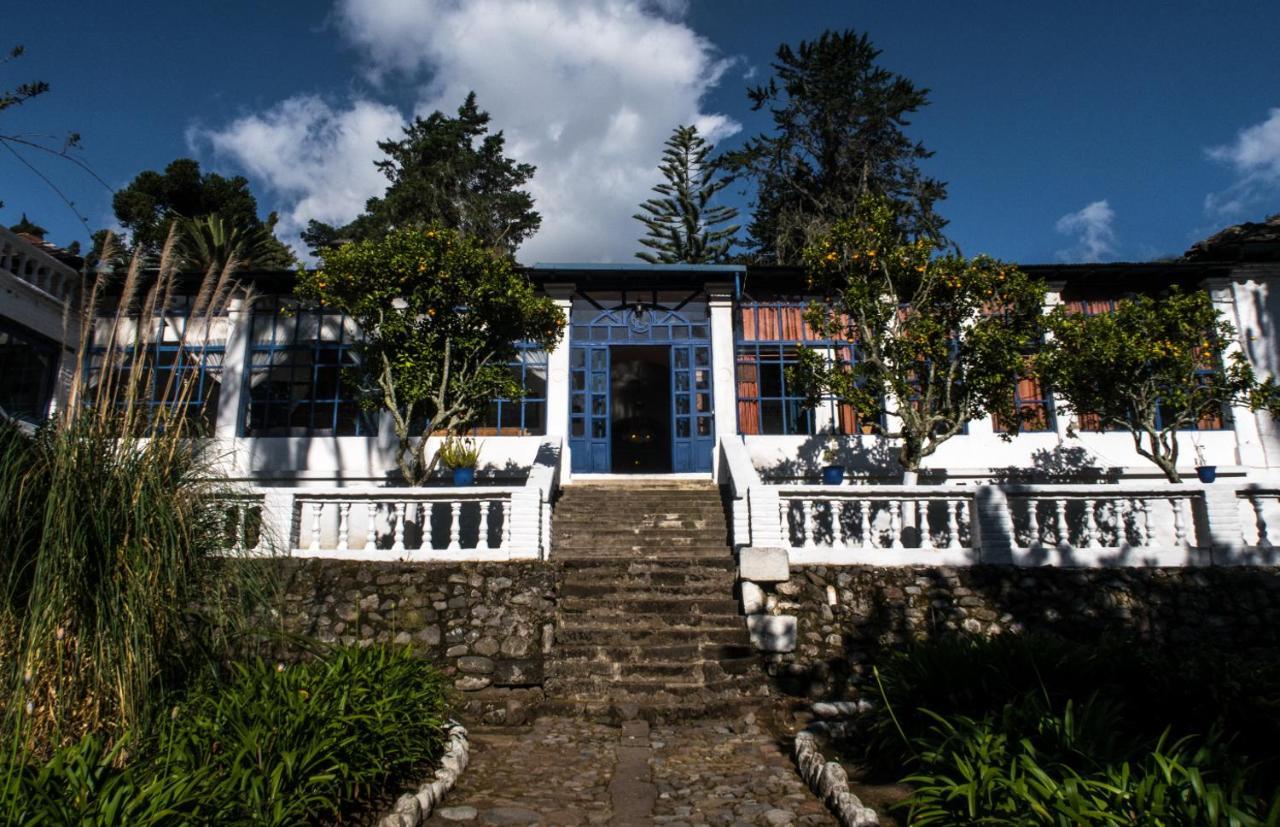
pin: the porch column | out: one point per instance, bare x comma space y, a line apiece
720, 304
558, 371
1249, 446
234, 367
1061, 421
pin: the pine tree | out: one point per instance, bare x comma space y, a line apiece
680, 223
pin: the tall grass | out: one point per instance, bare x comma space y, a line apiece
113, 587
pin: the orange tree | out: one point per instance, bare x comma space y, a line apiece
940, 337
440, 317
1153, 366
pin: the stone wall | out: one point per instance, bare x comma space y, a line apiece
489, 625
848, 614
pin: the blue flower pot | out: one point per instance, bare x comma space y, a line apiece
464, 476
1207, 473
833, 475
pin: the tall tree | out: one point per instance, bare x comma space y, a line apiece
681, 223
838, 134
153, 200
447, 172
942, 338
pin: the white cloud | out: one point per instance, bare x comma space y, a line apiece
1254, 156
586, 90
1095, 237
315, 159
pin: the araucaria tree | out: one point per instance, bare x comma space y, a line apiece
681, 222
1152, 366
440, 316
838, 135
445, 172
939, 339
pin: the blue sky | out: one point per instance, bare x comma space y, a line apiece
1066, 131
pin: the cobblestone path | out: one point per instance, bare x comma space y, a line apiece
564, 771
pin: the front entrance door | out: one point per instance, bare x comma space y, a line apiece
640, 409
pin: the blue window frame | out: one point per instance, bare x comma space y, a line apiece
184, 378
526, 416
297, 383
769, 335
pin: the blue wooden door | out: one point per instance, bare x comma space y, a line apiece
692, 414
589, 409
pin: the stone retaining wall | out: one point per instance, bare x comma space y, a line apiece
846, 614
489, 625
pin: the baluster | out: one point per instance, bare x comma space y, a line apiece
1033, 523
397, 527
895, 524
426, 510
1063, 536
482, 539
455, 526
1145, 537
964, 521
315, 525
1264, 541
784, 518
864, 520
1179, 522
842, 526
506, 524
953, 524
344, 525
1090, 538
370, 526
922, 521
806, 511
242, 530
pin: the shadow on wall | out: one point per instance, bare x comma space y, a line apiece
864, 457
1062, 464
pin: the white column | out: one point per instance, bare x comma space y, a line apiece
558, 366
1249, 450
720, 302
235, 364
1052, 299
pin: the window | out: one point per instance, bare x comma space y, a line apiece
186, 378
769, 336
28, 371
296, 382
528, 414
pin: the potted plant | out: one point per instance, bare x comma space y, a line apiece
1205, 471
461, 455
832, 474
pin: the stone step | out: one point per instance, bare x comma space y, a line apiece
586, 631
598, 567
616, 711
632, 653
625, 591
669, 605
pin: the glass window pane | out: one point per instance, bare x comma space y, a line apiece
682, 404
770, 417
770, 379
682, 428
576, 427
704, 426
597, 428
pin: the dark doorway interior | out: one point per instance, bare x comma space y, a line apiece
640, 409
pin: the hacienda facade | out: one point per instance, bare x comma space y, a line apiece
669, 370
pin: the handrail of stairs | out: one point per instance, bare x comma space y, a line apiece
755, 508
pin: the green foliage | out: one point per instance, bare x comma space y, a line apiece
447, 172
211, 242
264, 745
151, 202
23, 92
838, 136
680, 222
113, 583
1152, 367
943, 337
440, 315
1036, 729
458, 452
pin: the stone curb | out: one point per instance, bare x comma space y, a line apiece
830, 783
412, 809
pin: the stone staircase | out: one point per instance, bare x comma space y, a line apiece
648, 625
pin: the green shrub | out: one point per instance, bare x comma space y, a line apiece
266, 745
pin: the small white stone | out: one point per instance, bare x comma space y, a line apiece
763, 565
426, 800
752, 598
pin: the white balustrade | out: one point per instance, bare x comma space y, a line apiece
876, 525
1259, 524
